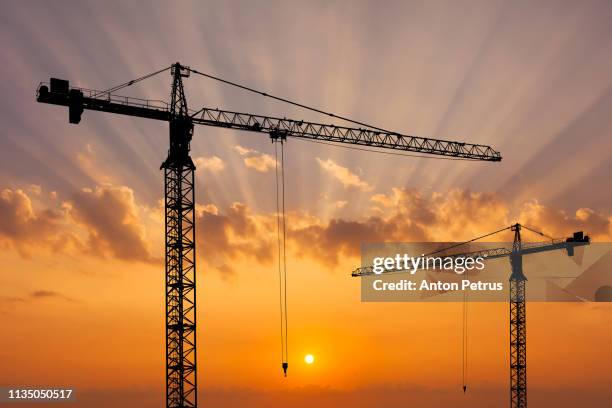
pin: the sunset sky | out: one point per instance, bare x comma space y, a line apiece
81, 216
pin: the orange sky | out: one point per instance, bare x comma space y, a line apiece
81, 286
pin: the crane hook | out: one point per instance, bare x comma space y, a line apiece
285, 366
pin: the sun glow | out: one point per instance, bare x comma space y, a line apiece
309, 358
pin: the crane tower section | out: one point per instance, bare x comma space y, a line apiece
181, 379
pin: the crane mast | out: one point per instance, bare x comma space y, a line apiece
518, 325
181, 378
179, 203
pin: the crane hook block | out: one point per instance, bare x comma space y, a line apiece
464, 388
285, 366
278, 135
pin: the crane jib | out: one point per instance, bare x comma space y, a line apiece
58, 92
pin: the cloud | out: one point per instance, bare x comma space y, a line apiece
343, 174
340, 204
261, 163
256, 160
243, 151
408, 215
44, 294
110, 216
329, 242
47, 294
381, 199
237, 234
9, 303
107, 221
24, 228
213, 164
558, 223
103, 221
35, 189
227, 235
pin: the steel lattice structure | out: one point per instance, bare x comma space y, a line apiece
181, 378
518, 308
342, 134
159, 110
180, 243
518, 325
518, 345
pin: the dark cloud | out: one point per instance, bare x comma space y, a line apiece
338, 238
9, 302
405, 215
107, 221
237, 234
41, 294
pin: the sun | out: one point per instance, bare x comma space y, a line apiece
309, 358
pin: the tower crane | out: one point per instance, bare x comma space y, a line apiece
518, 312
178, 169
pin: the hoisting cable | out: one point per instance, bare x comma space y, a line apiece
464, 341
282, 261
286, 362
129, 83
464, 322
